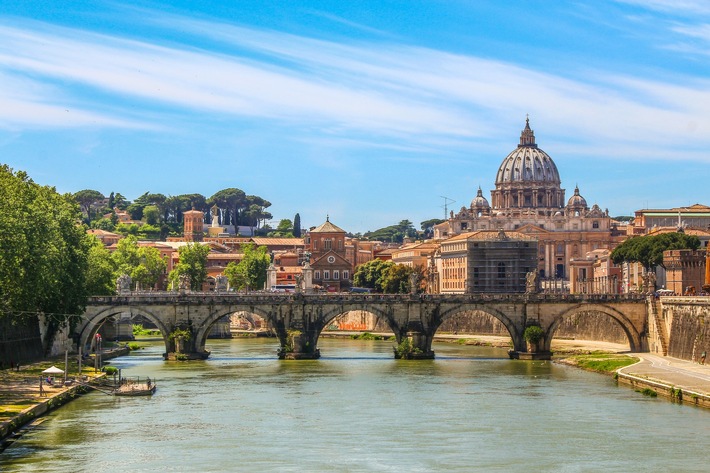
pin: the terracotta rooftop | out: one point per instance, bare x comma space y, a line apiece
328, 227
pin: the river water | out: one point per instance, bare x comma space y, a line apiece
359, 410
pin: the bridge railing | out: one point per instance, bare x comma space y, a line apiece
157, 297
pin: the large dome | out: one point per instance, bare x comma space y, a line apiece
528, 163
528, 179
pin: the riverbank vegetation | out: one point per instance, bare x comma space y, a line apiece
140, 331
598, 361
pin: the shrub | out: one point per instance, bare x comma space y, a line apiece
533, 334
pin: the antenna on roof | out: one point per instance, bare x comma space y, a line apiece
447, 201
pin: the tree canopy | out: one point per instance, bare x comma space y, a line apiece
43, 251
193, 263
88, 200
394, 233
250, 272
385, 276
648, 249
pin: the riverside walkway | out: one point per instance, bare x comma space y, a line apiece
663, 373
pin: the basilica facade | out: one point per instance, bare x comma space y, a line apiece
528, 198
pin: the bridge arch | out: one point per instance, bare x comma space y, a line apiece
508, 323
93, 321
331, 313
203, 331
632, 334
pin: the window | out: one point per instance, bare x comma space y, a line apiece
501, 270
336, 274
340, 244
327, 244
326, 275
316, 275
315, 244
346, 274
595, 224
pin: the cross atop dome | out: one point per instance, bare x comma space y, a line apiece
527, 137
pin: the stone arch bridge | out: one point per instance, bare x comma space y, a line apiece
185, 319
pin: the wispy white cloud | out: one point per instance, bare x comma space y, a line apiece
675, 7
412, 96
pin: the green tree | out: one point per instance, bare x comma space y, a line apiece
101, 271
648, 249
193, 263
394, 233
427, 226
43, 252
395, 279
297, 226
135, 210
250, 272
88, 199
103, 224
120, 201
233, 201
283, 230
143, 264
151, 214
371, 274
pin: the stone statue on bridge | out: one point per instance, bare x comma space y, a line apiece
413, 282
220, 283
184, 283
531, 282
123, 284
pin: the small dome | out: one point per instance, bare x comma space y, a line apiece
577, 200
479, 201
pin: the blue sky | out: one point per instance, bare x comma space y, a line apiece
367, 111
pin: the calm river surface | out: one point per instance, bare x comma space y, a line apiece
357, 409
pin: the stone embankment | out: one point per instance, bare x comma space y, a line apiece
41, 407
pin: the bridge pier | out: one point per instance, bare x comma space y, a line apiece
414, 346
183, 345
298, 345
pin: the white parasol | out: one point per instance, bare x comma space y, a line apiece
53, 370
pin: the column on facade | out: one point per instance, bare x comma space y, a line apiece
548, 258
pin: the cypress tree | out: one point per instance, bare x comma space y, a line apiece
297, 226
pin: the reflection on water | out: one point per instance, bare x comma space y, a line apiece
358, 409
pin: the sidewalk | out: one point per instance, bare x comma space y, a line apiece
674, 371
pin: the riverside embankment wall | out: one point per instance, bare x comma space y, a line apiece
683, 322
581, 326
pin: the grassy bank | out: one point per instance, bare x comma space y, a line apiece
597, 361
